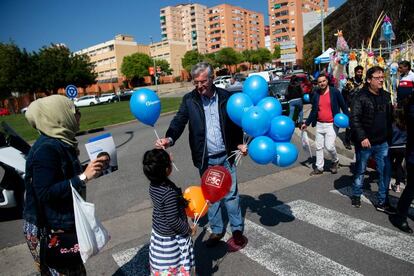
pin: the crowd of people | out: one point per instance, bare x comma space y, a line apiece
378, 130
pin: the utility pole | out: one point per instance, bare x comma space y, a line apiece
155, 69
323, 32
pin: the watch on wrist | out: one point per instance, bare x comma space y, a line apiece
83, 178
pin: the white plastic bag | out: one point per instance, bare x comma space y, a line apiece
305, 142
92, 236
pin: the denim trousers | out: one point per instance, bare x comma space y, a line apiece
231, 202
380, 154
296, 103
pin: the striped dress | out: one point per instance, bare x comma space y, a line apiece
171, 247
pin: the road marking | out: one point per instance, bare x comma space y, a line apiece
369, 197
133, 261
284, 257
396, 244
276, 253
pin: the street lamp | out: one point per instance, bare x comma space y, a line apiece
323, 33
155, 69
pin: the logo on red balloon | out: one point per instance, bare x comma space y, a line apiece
215, 178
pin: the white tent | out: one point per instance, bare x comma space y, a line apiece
324, 57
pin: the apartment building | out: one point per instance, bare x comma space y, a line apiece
184, 22
286, 23
171, 51
107, 58
234, 27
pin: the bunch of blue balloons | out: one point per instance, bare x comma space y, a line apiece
261, 117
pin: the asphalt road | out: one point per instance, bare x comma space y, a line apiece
296, 225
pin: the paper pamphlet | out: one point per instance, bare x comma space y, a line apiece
103, 144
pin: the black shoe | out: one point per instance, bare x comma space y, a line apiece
386, 208
238, 238
214, 239
401, 223
316, 172
356, 201
334, 168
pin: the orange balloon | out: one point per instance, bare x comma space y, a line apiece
197, 204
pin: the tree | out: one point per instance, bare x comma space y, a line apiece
261, 56
164, 65
9, 56
191, 58
228, 56
276, 52
135, 67
81, 71
211, 58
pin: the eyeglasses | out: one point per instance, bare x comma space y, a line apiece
378, 78
202, 82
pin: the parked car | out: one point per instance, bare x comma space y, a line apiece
126, 95
87, 101
4, 111
305, 83
277, 89
263, 74
108, 98
221, 83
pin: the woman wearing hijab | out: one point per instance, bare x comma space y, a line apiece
52, 166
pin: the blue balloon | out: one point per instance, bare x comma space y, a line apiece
286, 154
272, 106
256, 121
306, 97
256, 87
262, 150
237, 105
145, 105
341, 120
317, 61
281, 128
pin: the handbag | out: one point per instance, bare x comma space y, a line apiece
92, 236
60, 250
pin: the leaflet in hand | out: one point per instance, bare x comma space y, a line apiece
103, 145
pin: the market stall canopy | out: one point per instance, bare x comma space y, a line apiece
324, 57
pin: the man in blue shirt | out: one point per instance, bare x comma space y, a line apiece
212, 136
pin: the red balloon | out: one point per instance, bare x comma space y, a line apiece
215, 183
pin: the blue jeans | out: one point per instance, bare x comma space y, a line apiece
292, 105
231, 202
380, 154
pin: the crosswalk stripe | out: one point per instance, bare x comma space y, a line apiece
369, 197
133, 261
284, 257
385, 240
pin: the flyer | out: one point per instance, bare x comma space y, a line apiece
103, 145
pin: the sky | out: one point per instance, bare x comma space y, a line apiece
32, 24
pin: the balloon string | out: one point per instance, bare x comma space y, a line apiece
199, 216
172, 162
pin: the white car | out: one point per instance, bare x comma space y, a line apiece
221, 83
108, 98
86, 101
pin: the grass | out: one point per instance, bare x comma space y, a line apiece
92, 117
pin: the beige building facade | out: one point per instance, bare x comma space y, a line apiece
107, 58
234, 27
171, 51
286, 23
186, 23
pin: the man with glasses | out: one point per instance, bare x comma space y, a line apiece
371, 127
212, 136
406, 82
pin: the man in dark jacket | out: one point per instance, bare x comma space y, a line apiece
371, 126
400, 219
213, 136
326, 103
352, 87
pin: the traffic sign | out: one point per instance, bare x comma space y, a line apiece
71, 91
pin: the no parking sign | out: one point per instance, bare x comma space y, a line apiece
71, 91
